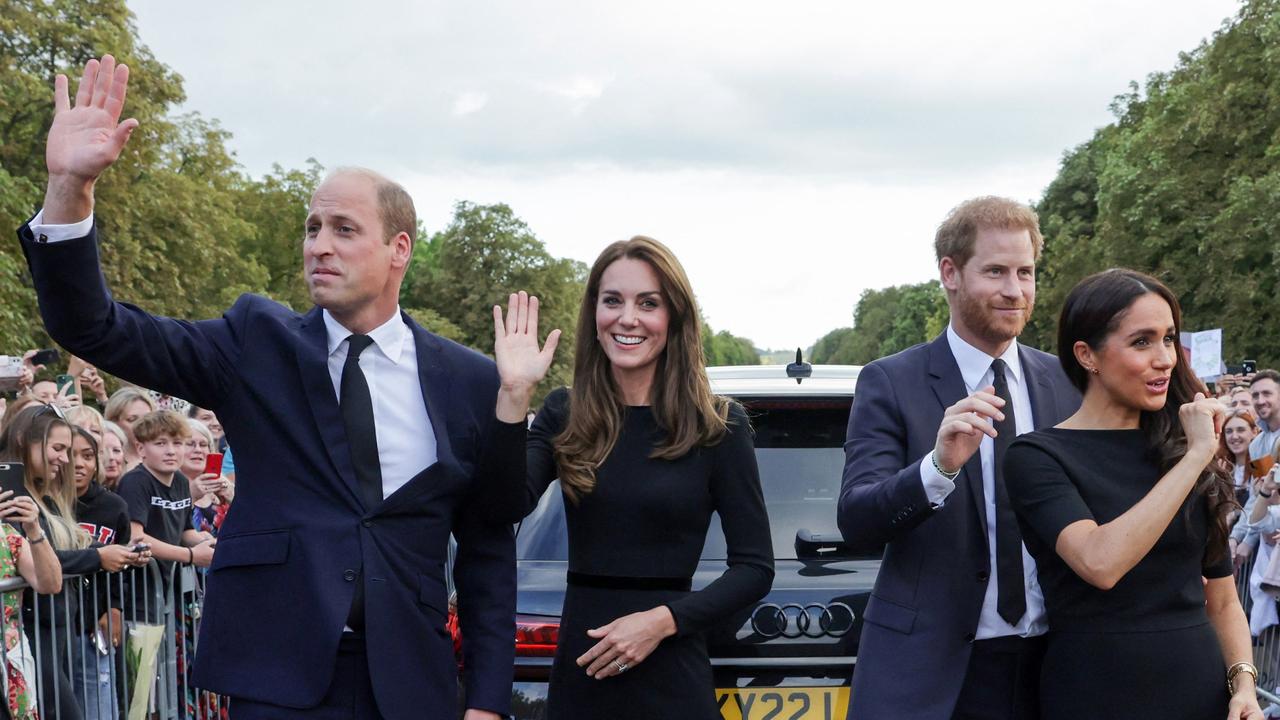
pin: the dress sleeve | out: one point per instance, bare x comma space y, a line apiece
735, 490
540, 460
1043, 496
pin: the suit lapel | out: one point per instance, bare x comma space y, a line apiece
1044, 406
948, 385
313, 364
434, 382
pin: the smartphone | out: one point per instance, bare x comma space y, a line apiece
139, 547
1250, 366
213, 464
45, 357
13, 477
64, 381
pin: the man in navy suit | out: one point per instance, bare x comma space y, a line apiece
359, 438
953, 628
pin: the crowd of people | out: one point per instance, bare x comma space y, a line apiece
1250, 447
112, 482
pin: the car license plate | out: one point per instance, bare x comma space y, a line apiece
785, 703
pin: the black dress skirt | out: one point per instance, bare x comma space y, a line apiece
1145, 648
634, 544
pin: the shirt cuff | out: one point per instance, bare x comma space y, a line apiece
58, 233
936, 486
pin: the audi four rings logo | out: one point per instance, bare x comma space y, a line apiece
794, 620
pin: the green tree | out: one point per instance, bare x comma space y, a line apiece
885, 321
486, 252
1185, 185
167, 211
725, 348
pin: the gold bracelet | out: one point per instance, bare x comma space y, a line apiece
1234, 670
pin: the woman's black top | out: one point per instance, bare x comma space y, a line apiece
1056, 477
648, 518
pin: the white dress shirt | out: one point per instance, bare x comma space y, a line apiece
406, 439
975, 368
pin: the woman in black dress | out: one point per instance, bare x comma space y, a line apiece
645, 453
1126, 516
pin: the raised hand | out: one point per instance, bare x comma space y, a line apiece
521, 363
963, 426
86, 139
1202, 420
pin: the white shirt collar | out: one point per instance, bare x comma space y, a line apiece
389, 336
974, 363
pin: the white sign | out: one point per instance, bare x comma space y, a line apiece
1204, 351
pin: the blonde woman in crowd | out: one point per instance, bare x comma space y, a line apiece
125, 407
114, 441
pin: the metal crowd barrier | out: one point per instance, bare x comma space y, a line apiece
1266, 640
67, 666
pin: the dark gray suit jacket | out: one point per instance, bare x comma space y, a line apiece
921, 618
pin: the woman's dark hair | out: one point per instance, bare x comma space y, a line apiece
1092, 311
93, 444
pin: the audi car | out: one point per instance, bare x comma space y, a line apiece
792, 654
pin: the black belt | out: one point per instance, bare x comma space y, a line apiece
623, 582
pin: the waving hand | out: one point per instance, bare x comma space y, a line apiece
85, 139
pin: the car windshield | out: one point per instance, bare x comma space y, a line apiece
799, 451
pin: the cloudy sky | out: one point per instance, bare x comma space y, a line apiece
792, 154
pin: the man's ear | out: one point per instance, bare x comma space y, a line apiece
949, 273
401, 250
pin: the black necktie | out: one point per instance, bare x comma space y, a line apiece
357, 416
1011, 599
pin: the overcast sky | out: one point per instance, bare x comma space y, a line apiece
792, 154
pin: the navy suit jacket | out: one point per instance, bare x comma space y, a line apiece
298, 536
921, 617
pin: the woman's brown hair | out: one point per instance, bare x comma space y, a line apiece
1092, 311
681, 397
1224, 453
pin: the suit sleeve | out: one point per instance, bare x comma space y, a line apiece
882, 495
485, 576
735, 489
191, 360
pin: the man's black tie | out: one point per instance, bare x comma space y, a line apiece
357, 416
1011, 599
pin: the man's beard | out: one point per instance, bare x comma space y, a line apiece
982, 320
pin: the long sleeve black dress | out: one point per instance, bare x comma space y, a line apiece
634, 543
1144, 648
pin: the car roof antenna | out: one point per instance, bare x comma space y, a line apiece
799, 369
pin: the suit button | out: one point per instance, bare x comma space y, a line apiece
969, 637
349, 575
367, 523
983, 576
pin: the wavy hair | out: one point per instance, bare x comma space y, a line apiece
1092, 311
55, 495
681, 398
1224, 453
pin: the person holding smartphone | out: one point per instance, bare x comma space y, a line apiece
211, 491
26, 553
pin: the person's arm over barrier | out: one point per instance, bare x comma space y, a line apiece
187, 359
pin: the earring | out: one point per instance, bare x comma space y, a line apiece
1094, 370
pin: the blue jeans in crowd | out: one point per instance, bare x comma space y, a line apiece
91, 677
